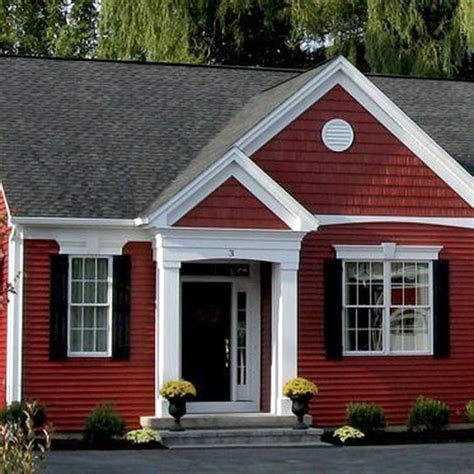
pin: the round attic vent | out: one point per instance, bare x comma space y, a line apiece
337, 135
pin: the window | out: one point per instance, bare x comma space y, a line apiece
90, 306
387, 307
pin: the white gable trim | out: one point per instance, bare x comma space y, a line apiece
234, 164
342, 72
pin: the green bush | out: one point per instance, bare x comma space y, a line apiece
366, 417
103, 424
16, 413
470, 411
428, 414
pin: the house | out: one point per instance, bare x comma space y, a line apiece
235, 227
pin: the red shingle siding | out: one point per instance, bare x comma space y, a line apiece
4, 295
231, 205
71, 388
378, 175
392, 381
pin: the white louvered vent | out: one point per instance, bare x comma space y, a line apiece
337, 135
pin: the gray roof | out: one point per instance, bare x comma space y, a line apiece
112, 139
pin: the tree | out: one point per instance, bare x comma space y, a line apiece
245, 32
78, 37
415, 37
48, 27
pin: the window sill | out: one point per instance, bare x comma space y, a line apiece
387, 354
93, 355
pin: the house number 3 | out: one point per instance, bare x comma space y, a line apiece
231, 252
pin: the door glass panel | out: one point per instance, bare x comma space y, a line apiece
241, 338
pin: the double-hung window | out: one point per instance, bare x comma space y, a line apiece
90, 306
387, 302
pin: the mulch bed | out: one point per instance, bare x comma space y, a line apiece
74, 444
382, 437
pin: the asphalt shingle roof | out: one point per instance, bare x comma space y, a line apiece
110, 139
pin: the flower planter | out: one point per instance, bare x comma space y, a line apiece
177, 409
300, 408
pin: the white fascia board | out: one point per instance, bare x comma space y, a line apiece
387, 251
339, 219
234, 164
72, 222
342, 72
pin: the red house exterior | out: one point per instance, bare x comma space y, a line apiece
317, 230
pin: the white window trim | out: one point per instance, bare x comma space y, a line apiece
387, 253
104, 354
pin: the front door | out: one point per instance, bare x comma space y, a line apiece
206, 338
221, 336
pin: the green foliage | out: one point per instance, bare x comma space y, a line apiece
470, 411
428, 414
145, 435
366, 417
103, 424
413, 37
48, 27
24, 444
347, 432
17, 412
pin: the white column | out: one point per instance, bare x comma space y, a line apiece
284, 333
15, 316
168, 329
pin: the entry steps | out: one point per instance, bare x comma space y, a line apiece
235, 430
243, 438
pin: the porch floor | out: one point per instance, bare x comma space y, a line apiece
214, 421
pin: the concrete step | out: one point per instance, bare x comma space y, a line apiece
224, 421
237, 438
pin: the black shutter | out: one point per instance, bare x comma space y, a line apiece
58, 307
441, 308
121, 307
333, 308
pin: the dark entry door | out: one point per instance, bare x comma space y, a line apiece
206, 312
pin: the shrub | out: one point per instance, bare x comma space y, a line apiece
366, 417
428, 414
16, 412
299, 387
470, 411
23, 443
103, 424
145, 435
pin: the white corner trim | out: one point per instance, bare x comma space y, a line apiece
340, 219
342, 72
15, 316
234, 164
387, 251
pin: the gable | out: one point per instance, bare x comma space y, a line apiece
377, 175
231, 205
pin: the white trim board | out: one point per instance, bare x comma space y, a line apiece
387, 251
233, 164
342, 72
339, 219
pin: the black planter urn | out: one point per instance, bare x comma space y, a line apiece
177, 409
300, 407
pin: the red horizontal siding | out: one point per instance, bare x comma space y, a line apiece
392, 381
378, 175
231, 205
71, 388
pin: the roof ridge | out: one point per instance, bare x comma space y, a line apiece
421, 78
155, 63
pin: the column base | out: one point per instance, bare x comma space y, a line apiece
161, 408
